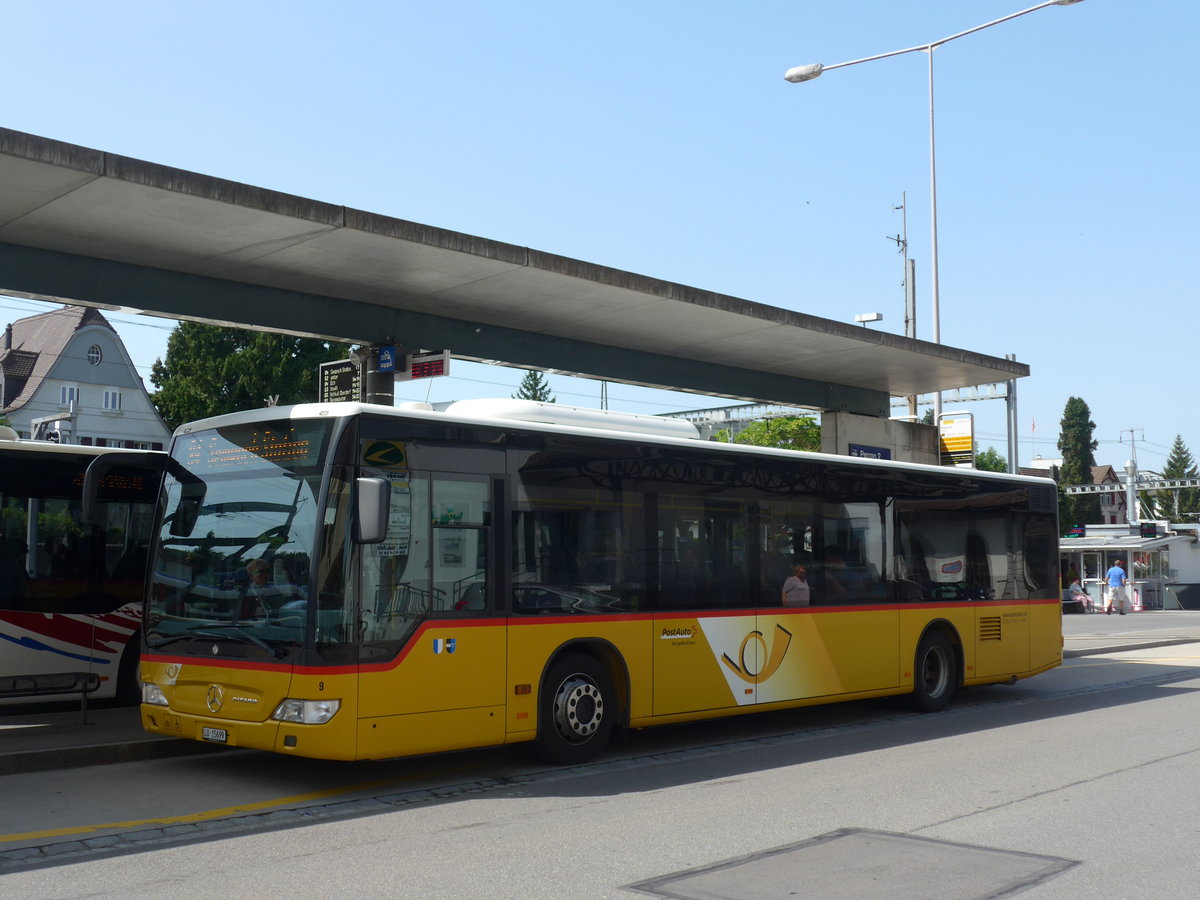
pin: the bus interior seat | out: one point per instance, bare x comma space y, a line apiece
906, 591
473, 597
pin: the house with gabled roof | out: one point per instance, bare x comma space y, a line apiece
1113, 505
65, 375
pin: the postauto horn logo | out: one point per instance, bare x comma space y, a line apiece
773, 655
678, 632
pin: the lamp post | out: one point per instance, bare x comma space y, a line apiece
799, 74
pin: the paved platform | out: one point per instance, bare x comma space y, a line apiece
64, 736
66, 739
1088, 634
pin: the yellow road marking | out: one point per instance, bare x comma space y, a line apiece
204, 816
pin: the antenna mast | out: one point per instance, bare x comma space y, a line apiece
1132, 513
910, 284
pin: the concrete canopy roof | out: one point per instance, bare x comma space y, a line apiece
84, 226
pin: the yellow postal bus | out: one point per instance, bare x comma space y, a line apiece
347, 581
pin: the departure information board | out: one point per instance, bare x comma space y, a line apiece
340, 381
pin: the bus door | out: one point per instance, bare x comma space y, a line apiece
706, 644
723, 563
427, 591
847, 639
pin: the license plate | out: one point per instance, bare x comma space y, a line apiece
216, 735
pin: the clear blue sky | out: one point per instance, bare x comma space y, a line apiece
661, 138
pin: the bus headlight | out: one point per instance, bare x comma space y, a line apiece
152, 693
307, 712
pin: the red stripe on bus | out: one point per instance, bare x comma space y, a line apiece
529, 621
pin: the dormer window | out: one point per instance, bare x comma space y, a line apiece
94, 354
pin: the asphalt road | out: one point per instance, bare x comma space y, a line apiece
1081, 782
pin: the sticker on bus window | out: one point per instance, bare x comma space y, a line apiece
385, 455
949, 568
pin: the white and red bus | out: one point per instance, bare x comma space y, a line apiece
70, 589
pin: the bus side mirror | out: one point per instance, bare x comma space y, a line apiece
373, 504
191, 498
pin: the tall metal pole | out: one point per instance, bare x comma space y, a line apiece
933, 234
910, 322
910, 286
800, 74
1010, 405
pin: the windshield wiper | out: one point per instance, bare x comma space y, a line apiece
206, 634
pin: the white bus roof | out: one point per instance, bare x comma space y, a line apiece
10, 441
574, 421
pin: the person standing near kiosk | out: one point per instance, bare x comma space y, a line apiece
1116, 588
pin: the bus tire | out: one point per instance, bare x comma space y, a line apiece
129, 686
935, 673
575, 710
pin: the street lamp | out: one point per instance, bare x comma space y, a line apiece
799, 74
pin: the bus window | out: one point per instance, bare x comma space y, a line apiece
785, 530
576, 550
461, 512
1040, 572
955, 550
704, 563
978, 575
51, 559
395, 572
848, 565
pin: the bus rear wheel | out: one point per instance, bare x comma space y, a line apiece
575, 714
935, 673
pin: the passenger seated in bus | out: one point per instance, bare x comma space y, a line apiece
796, 591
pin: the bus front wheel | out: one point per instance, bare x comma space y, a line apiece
575, 710
935, 673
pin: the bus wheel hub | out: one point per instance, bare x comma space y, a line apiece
578, 708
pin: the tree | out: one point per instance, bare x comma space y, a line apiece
788, 432
1077, 447
1180, 464
990, 461
210, 370
534, 387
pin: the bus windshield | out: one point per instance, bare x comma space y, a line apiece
232, 563
51, 559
